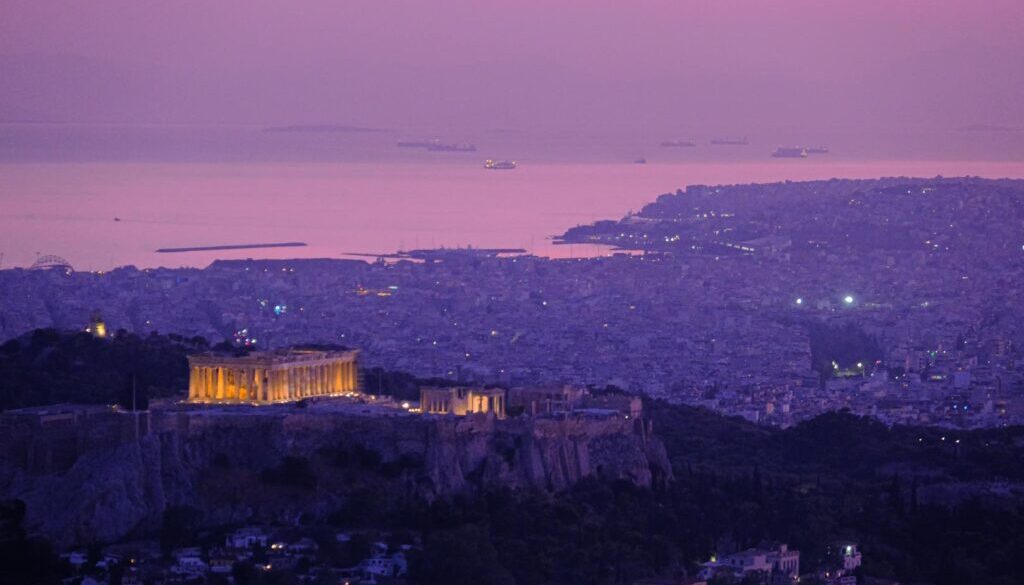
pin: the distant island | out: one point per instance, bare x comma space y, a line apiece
990, 128
323, 129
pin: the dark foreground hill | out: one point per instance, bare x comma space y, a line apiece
925, 504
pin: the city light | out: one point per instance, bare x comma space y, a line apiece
848, 299
799, 301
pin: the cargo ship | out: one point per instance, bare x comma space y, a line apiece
730, 141
790, 152
500, 165
678, 144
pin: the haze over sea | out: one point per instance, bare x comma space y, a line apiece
63, 185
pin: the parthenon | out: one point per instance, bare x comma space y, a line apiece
272, 376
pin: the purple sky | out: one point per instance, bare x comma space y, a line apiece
721, 65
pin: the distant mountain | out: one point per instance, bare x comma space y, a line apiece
322, 129
990, 128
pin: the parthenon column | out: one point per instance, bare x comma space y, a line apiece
220, 383
244, 384
257, 384
193, 382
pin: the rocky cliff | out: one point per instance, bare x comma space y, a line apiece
104, 477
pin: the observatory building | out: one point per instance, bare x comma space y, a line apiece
272, 376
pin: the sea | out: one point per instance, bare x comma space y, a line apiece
108, 195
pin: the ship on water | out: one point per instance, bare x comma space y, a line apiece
678, 144
790, 152
730, 141
817, 150
443, 147
500, 165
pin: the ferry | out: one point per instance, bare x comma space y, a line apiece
678, 144
500, 165
730, 141
790, 152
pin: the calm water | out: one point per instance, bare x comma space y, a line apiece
401, 200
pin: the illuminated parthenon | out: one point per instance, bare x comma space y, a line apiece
272, 376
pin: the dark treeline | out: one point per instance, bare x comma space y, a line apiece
841, 345
47, 366
398, 385
836, 477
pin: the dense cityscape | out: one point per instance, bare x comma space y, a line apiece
729, 299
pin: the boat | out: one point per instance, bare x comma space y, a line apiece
640, 161
817, 150
730, 141
678, 144
500, 165
442, 147
790, 152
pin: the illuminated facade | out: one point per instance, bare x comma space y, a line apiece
461, 401
272, 376
96, 325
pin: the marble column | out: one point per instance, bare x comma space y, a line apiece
220, 384
258, 385
193, 382
244, 385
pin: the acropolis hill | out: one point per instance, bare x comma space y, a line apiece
101, 474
